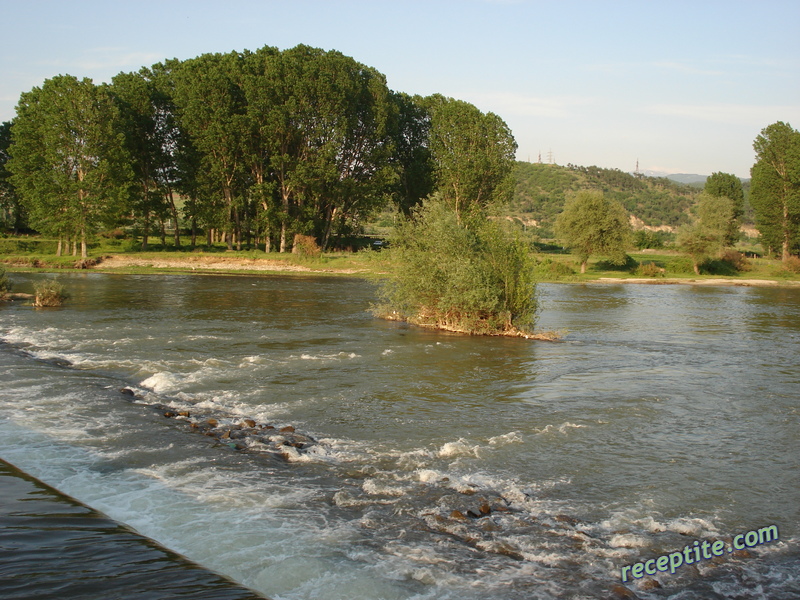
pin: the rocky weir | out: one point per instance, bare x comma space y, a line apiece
243, 434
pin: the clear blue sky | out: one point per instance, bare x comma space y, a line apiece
680, 86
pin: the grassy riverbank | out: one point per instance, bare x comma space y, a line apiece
38, 255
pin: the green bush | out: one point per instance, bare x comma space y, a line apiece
680, 264
554, 269
649, 269
462, 274
717, 266
5, 282
736, 260
628, 264
49, 293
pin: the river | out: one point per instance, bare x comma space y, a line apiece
432, 465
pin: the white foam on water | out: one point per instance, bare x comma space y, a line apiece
562, 429
336, 356
459, 448
628, 540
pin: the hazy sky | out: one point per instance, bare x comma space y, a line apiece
680, 86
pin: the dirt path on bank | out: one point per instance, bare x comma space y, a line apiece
214, 263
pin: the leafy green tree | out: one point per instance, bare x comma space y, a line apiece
728, 186
12, 214
708, 235
775, 187
472, 152
344, 112
412, 154
211, 109
67, 158
459, 273
151, 139
593, 224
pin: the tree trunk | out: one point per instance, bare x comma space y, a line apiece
146, 232
583, 266
58, 249
696, 268
174, 211
194, 232
786, 229
326, 236
84, 254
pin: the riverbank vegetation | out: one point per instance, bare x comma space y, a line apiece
303, 160
459, 272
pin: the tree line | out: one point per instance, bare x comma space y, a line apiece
249, 148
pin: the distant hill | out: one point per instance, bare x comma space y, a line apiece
540, 191
687, 178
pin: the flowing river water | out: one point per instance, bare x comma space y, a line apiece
422, 464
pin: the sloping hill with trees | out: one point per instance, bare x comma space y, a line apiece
541, 189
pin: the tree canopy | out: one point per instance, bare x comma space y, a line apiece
710, 232
775, 188
725, 185
472, 153
252, 147
593, 224
67, 157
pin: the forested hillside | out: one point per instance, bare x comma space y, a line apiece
540, 191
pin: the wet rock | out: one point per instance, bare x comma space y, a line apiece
184, 413
485, 509
169, 414
620, 591
507, 549
225, 435
249, 422
457, 514
127, 392
212, 422
489, 526
287, 429
742, 554
565, 519
473, 515
649, 584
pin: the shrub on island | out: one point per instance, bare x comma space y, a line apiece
459, 272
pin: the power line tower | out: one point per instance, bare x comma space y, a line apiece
550, 156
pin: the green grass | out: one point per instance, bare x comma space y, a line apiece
38, 254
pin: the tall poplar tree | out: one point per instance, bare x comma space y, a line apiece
212, 111
726, 185
775, 187
12, 215
67, 158
473, 154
